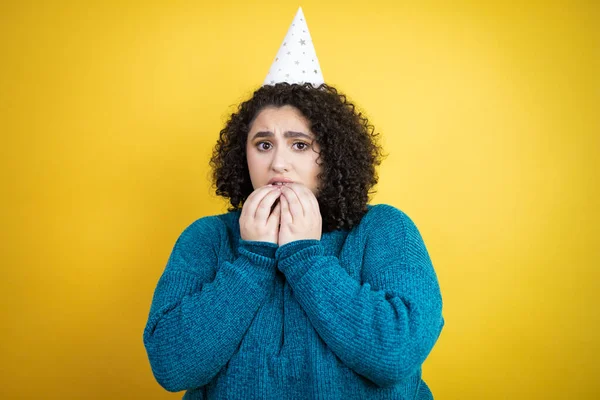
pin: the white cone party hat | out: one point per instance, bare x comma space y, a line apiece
296, 60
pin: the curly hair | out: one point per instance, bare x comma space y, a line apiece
349, 150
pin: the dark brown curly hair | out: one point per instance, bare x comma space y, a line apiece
349, 150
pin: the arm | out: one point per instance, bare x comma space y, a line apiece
384, 328
198, 317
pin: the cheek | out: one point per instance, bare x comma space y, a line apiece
253, 160
317, 168
314, 171
256, 164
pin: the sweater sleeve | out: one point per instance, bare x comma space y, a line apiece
199, 311
384, 328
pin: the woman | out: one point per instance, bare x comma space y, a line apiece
301, 290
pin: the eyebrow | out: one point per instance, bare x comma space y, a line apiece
287, 134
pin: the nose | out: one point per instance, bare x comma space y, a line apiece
280, 162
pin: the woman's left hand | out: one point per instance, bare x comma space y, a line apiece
300, 214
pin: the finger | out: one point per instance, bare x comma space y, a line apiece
249, 201
263, 210
275, 215
286, 216
307, 198
313, 200
254, 200
295, 206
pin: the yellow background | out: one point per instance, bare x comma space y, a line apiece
489, 112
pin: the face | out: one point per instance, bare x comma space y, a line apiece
281, 146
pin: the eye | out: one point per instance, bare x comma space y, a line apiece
301, 146
263, 146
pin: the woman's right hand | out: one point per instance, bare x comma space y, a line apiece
257, 222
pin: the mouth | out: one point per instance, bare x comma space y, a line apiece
280, 181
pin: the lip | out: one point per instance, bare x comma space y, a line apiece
280, 179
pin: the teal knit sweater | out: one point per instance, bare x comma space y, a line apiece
351, 316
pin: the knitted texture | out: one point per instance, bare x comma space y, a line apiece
351, 316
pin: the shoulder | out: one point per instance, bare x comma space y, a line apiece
208, 229
386, 223
385, 215
390, 234
200, 242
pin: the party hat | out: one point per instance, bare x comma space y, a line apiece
296, 60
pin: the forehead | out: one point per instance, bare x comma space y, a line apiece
284, 118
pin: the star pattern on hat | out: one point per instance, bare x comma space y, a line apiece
296, 56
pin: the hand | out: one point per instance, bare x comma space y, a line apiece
300, 214
257, 222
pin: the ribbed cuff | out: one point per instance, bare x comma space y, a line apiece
261, 255
295, 258
258, 251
